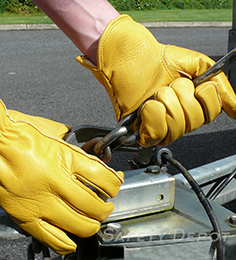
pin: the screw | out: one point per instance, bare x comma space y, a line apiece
232, 219
114, 228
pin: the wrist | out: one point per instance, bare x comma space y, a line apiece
82, 21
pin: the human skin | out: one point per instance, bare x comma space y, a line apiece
83, 21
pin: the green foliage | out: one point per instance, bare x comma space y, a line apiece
128, 5
198, 4
3, 4
26, 6
19, 6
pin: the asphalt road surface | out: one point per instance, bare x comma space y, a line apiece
39, 76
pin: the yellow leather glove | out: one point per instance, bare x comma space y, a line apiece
133, 67
45, 125
44, 183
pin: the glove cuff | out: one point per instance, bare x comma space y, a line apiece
122, 56
98, 71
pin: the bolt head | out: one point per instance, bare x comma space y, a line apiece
153, 169
232, 219
114, 228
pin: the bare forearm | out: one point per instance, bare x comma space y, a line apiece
83, 21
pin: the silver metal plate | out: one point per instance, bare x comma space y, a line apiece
143, 193
180, 233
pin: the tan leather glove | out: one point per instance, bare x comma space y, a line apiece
44, 183
133, 67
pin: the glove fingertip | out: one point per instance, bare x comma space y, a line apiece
121, 175
54, 238
152, 132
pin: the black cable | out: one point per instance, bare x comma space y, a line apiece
223, 185
202, 198
214, 187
